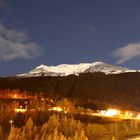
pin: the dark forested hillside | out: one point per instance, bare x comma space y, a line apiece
91, 89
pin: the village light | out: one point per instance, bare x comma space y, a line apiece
59, 109
130, 114
127, 113
111, 112
15, 96
119, 112
138, 116
17, 110
20, 106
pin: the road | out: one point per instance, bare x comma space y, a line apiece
136, 138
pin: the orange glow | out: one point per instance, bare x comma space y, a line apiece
110, 112
20, 106
17, 110
126, 113
15, 96
138, 116
129, 115
59, 109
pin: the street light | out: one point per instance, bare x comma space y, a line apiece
11, 123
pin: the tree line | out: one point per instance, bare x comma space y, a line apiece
105, 90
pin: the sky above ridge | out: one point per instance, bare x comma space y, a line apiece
53, 32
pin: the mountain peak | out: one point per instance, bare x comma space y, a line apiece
76, 69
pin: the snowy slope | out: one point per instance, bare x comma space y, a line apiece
76, 69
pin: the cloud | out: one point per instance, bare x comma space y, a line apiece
127, 52
16, 45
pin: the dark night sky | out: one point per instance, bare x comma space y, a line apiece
52, 32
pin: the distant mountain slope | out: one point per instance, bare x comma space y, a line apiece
75, 69
92, 89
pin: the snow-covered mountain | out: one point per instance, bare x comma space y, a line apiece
76, 69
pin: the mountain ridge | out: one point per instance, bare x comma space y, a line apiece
75, 69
